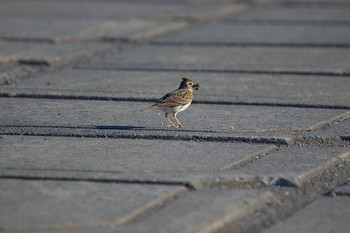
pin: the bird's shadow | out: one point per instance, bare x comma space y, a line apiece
117, 127
132, 127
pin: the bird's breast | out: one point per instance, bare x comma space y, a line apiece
174, 109
182, 107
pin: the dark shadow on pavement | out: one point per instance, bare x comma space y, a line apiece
118, 127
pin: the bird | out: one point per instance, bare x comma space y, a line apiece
176, 101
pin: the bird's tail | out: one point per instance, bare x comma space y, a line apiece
145, 109
152, 107
148, 108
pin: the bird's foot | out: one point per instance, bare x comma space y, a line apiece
171, 126
180, 126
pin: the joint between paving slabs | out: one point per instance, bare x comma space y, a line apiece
251, 158
329, 122
230, 221
187, 185
342, 160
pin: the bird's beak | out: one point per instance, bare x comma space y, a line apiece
196, 86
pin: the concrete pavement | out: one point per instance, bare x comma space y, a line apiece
266, 144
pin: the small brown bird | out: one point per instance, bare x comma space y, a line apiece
176, 101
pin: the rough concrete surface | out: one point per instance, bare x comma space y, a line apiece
74, 203
244, 33
121, 155
202, 117
310, 60
266, 143
325, 215
343, 190
215, 87
300, 13
50, 55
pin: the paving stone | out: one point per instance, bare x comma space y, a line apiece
206, 211
87, 9
118, 10
49, 54
337, 129
298, 13
242, 33
228, 59
296, 165
292, 166
215, 87
324, 215
86, 21
342, 128
132, 30
45, 205
343, 190
70, 114
122, 155
33, 28
82, 30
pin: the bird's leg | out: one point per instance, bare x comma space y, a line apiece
171, 123
177, 120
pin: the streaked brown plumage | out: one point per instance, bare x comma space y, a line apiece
176, 101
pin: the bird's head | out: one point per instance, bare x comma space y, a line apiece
188, 84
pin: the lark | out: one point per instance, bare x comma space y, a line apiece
176, 101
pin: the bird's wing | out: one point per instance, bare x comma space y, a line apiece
175, 98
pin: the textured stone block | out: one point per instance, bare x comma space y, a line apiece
324, 215
56, 205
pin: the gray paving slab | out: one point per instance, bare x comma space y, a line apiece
342, 129
119, 9
207, 211
37, 28
228, 59
343, 190
298, 13
296, 165
194, 163
324, 215
62, 30
46, 205
87, 9
224, 32
111, 115
122, 155
49, 54
215, 87
293, 166
221, 87
89, 20
131, 30
337, 129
